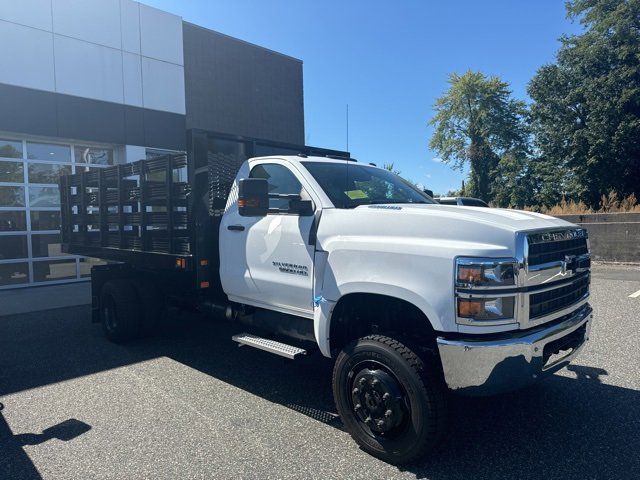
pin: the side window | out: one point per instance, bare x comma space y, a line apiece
472, 202
282, 182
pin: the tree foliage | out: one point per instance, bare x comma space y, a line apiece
476, 123
585, 114
582, 127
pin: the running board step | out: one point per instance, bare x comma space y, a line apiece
271, 346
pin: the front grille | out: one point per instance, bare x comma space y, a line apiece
545, 303
553, 251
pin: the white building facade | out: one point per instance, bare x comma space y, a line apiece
90, 83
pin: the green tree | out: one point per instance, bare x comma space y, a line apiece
476, 123
585, 115
513, 182
391, 168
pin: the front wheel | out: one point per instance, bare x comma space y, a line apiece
390, 399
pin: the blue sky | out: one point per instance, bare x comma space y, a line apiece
389, 60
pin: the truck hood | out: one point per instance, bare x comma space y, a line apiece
470, 230
512, 220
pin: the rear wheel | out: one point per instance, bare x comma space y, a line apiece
120, 312
391, 400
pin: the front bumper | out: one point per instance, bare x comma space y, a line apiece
481, 366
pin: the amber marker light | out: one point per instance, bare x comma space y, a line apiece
469, 308
471, 274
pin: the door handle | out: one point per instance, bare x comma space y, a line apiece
237, 228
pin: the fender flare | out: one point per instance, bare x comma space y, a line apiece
325, 307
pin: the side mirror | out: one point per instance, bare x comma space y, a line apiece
253, 197
302, 207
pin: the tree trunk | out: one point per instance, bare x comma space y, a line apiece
481, 161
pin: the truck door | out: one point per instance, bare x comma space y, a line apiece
269, 261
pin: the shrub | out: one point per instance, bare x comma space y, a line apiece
609, 203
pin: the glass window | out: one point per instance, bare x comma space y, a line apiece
281, 181
14, 273
50, 270
11, 172
10, 148
45, 220
47, 245
350, 185
44, 197
87, 263
13, 246
48, 151
11, 196
13, 221
231, 151
47, 172
473, 202
152, 153
93, 155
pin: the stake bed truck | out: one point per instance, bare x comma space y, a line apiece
413, 299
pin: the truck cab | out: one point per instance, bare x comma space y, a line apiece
413, 299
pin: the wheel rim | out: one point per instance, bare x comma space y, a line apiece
378, 400
109, 315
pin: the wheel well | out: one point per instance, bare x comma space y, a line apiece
359, 314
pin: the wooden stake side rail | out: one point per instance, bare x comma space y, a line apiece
135, 213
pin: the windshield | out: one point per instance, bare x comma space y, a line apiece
349, 185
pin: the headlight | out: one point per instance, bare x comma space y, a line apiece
480, 272
480, 309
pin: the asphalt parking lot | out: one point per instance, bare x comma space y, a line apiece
190, 404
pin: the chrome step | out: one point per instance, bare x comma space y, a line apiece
279, 348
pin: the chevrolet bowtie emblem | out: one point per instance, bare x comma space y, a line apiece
568, 264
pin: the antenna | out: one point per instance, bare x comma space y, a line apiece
347, 127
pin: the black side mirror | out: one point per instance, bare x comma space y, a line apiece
253, 197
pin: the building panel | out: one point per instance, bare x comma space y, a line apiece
32, 13
163, 86
163, 130
95, 21
27, 56
130, 25
90, 119
161, 35
132, 79
88, 70
28, 111
235, 87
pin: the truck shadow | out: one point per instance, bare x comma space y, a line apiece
570, 427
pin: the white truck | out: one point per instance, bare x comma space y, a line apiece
413, 299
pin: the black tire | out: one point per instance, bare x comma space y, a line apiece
152, 306
409, 389
120, 313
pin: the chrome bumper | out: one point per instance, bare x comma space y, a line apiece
478, 366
